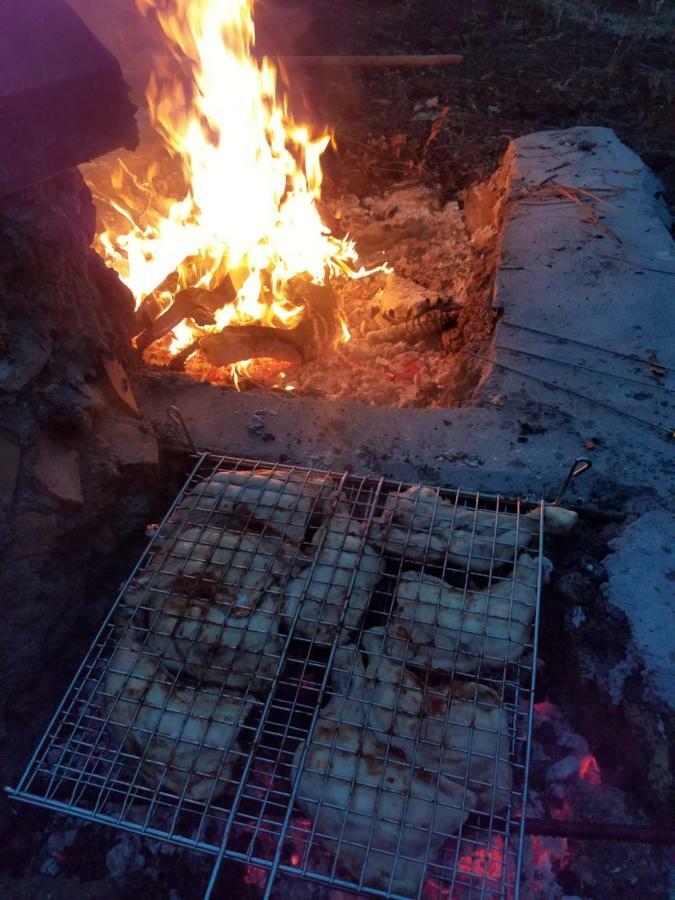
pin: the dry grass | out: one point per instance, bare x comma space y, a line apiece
640, 20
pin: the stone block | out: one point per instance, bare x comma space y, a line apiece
131, 442
57, 469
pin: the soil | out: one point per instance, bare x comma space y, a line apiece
527, 67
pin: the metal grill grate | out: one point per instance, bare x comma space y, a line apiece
321, 675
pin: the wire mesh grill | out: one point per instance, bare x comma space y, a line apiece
320, 675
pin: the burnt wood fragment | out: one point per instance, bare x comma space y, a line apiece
418, 326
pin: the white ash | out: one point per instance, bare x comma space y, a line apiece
125, 857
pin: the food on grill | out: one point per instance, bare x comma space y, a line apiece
284, 502
423, 527
215, 643
438, 626
187, 737
361, 796
392, 770
345, 573
457, 728
208, 601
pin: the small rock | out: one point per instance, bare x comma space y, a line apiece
124, 857
27, 358
57, 468
578, 617
50, 867
562, 770
131, 442
256, 425
58, 841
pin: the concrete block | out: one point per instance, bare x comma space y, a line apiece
62, 96
641, 582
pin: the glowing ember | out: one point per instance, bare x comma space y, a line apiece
544, 709
562, 811
485, 862
589, 770
256, 876
252, 178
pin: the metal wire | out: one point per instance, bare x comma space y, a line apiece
324, 676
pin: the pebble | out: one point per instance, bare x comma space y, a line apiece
59, 840
562, 770
256, 425
124, 857
50, 867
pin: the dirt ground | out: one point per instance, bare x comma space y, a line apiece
528, 65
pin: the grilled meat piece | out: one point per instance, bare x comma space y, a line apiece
443, 628
345, 572
187, 738
423, 527
281, 503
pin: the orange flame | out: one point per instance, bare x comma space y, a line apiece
252, 176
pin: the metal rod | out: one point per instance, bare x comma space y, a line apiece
600, 831
572, 365
668, 433
559, 337
176, 416
370, 61
578, 466
533, 685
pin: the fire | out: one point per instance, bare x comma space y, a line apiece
251, 180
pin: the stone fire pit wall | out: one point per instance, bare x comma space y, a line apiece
74, 450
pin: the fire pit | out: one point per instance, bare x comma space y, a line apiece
375, 344
239, 267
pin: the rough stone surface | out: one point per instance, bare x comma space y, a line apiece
641, 582
59, 307
131, 442
58, 471
10, 455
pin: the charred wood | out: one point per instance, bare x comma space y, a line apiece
315, 333
417, 326
199, 304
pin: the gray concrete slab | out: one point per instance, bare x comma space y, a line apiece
641, 582
600, 275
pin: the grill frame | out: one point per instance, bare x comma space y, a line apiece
224, 822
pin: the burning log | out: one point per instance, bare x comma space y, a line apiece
199, 304
316, 332
421, 325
